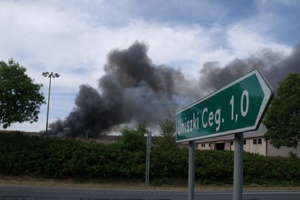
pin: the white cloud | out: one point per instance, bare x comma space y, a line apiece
268, 3
245, 42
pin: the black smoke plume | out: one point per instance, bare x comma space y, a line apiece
134, 89
273, 65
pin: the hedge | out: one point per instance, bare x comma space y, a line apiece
69, 158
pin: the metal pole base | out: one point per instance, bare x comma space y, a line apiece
238, 167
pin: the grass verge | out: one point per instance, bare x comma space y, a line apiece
136, 185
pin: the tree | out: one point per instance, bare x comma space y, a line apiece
283, 116
20, 98
134, 139
168, 128
167, 141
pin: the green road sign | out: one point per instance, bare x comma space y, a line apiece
238, 107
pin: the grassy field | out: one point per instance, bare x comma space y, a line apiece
69, 183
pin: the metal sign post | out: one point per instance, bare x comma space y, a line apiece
238, 167
236, 108
191, 185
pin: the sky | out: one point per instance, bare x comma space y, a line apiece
74, 37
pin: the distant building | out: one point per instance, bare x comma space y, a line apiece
254, 142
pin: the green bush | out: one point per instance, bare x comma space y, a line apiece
68, 158
214, 166
133, 139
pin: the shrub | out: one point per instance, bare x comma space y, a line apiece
68, 158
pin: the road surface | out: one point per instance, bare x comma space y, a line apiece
51, 193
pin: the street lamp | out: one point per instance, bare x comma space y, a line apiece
49, 75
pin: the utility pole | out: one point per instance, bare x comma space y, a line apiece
49, 75
148, 151
191, 186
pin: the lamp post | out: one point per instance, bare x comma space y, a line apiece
49, 75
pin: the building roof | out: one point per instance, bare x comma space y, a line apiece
260, 132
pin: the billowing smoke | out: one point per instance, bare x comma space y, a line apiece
134, 90
273, 65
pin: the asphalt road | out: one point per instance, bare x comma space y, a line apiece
50, 193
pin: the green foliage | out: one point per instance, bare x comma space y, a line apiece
167, 160
68, 158
20, 98
167, 141
167, 128
264, 170
283, 116
133, 139
214, 166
